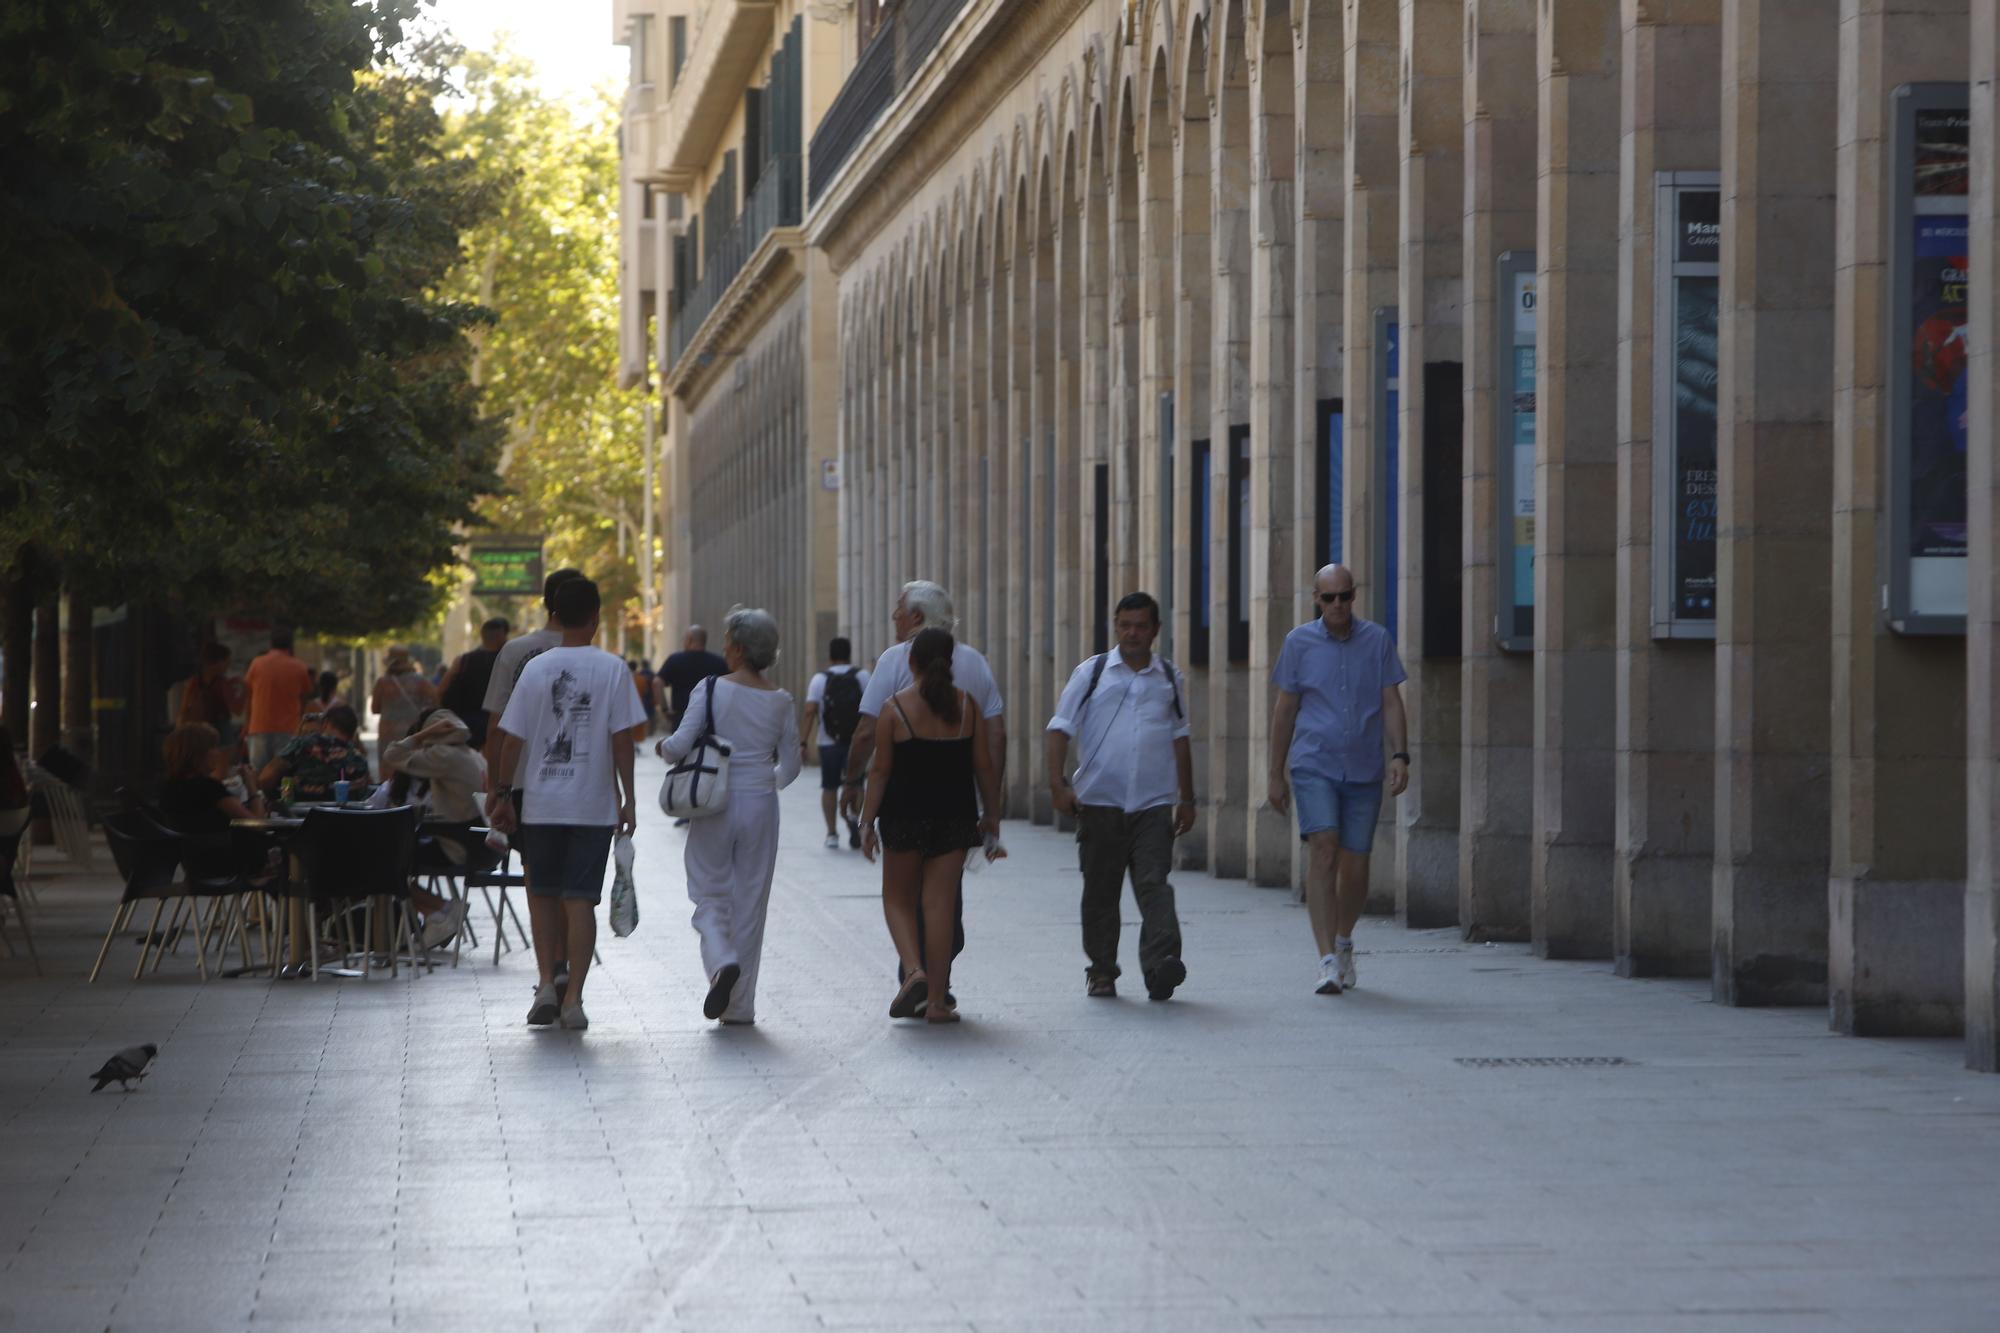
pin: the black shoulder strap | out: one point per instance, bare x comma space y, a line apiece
1174, 682
708, 723
1096, 674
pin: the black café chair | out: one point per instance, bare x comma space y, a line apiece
362, 854
10, 847
148, 859
452, 859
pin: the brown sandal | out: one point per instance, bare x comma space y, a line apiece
941, 1013
915, 992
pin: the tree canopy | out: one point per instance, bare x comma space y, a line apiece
544, 259
231, 373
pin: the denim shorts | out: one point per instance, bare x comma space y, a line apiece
832, 765
566, 860
1350, 808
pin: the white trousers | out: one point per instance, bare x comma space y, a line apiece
730, 858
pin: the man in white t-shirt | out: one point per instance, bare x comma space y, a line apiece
513, 655
833, 707
567, 730
923, 604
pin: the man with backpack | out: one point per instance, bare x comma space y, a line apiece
1132, 795
833, 710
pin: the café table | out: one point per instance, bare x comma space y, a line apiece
286, 826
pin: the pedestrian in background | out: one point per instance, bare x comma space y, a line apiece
732, 854
281, 689
1338, 682
212, 695
833, 708
682, 671
1133, 794
464, 688
398, 698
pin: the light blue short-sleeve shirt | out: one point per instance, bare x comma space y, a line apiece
1339, 683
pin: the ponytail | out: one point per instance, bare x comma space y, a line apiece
930, 662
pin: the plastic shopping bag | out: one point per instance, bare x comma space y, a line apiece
624, 893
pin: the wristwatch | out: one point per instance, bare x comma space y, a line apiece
1400, 755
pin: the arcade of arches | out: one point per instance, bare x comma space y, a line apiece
1624, 351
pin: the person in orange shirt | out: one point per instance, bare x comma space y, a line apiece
281, 689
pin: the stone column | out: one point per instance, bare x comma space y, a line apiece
1431, 295
1982, 625
1016, 439
1373, 229
1496, 719
1192, 361
1896, 893
1664, 829
820, 405
1044, 473
1276, 436
1774, 447
1233, 177
1320, 80
1576, 479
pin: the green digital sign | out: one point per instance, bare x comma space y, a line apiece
510, 570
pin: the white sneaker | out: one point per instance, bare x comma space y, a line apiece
832, 840
547, 1004
1347, 969
574, 1018
442, 927
1329, 978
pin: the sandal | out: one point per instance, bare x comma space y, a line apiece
942, 1013
915, 991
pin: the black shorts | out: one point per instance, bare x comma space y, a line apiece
566, 860
832, 765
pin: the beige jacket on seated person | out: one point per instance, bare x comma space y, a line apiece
455, 771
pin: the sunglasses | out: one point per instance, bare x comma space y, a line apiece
1329, 598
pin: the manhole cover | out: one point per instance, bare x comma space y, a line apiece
1541, 1061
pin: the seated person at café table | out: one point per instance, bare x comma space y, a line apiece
438, 771
316, 760
192, 799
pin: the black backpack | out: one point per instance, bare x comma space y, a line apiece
840, 706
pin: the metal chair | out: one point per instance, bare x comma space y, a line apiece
365, 855
448, 875
9, 847
148, 858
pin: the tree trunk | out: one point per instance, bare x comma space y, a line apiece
46, 728
18, 649
79, 681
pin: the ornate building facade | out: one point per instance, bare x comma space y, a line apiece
1632, 353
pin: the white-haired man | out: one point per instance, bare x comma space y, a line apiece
921, 605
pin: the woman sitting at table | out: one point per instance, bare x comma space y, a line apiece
438, 771
193, 799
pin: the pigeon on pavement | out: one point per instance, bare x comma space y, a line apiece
129, 1063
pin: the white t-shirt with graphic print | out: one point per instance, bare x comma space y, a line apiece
565, 708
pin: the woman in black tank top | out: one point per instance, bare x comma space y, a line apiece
926, 788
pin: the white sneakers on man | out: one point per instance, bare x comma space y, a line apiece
1329, 977
441, 927
1346, 971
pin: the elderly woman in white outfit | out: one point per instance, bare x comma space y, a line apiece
730, 855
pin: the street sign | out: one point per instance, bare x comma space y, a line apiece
510, 567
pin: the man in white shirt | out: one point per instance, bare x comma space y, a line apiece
1128, 710
923, 604
567, 730
834, 717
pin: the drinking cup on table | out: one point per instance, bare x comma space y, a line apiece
340, 791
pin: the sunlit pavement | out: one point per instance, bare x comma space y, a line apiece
1248, 1155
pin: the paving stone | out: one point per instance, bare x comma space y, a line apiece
406, 1153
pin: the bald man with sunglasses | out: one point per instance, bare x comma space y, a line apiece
1338, 686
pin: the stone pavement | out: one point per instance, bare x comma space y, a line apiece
1248, 1156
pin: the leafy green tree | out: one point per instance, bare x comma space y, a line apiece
227, 374
545, 261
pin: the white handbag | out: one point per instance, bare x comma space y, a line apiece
698, 786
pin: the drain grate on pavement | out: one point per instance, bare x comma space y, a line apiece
1542, 1061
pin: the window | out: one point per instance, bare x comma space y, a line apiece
642, 50
1328, 495
1199, 556
677, 48
1239, 543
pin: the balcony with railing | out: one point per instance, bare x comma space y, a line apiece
774, 203
893, 58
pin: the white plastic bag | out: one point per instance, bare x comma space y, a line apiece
624, 893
